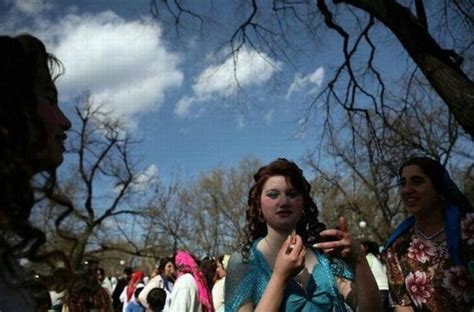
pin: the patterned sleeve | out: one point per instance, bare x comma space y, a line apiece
396, 279
239, 283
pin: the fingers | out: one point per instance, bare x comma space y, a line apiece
343, 224
286, 244
293, 242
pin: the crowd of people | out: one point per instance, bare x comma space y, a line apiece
177, 283
289, 260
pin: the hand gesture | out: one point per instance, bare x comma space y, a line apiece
343, 245
290, 258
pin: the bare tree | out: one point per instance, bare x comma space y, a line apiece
436, 35
103, 187
362, 182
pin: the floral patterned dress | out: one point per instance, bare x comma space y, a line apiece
422, 275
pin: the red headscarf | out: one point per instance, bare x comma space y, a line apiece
137, 278
186, 264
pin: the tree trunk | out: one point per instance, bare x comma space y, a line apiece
448, 80
78, 254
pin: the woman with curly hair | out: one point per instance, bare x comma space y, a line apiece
279, 268
430, 255
32, 132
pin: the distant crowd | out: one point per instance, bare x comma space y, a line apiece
179, 283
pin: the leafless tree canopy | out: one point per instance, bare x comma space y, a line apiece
436, 35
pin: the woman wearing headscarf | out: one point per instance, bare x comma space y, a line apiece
429, 257
128, 292
190, 292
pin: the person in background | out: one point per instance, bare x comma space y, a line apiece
190, 292
32, 134
430, 256
85, 294
156, 299
135, 282
208, 266
104, 281
286, 262
121, 284
164, 278
58, 285
219, 283
371, 250
135, 305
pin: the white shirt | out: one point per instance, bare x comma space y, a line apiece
184, 296
155, 282
378, 270
218, 294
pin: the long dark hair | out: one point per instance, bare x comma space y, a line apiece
22, 136
439, 176
308, 227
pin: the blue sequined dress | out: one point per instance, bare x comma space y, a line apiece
247, 279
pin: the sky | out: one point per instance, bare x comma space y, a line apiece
176, 94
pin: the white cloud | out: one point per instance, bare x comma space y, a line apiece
240, 121
141, 182
124, 65
31, 7
246, 69
144, 179
312, 81
268, 117
183, 106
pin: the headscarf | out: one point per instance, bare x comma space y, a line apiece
455, 205
137, 278
186, 264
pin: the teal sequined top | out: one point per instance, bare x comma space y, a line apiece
247, 279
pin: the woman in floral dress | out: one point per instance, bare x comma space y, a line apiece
429, 256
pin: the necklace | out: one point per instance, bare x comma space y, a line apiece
270, 246
426, 237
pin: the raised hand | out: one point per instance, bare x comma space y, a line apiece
343, 244
290, 257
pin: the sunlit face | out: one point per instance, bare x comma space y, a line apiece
55, 123
417, 191
281, 204
169, 270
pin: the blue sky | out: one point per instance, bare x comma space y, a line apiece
179, 96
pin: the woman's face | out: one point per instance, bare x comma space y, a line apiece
282, 205
55, 123
220, 270
417, 191
169, 269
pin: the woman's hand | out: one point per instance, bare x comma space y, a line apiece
343, 245
290, 258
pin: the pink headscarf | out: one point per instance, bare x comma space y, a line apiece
186, 264
136, 279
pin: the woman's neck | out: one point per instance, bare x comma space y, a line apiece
276, 238
430, 221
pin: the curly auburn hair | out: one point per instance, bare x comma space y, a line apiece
308, 227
